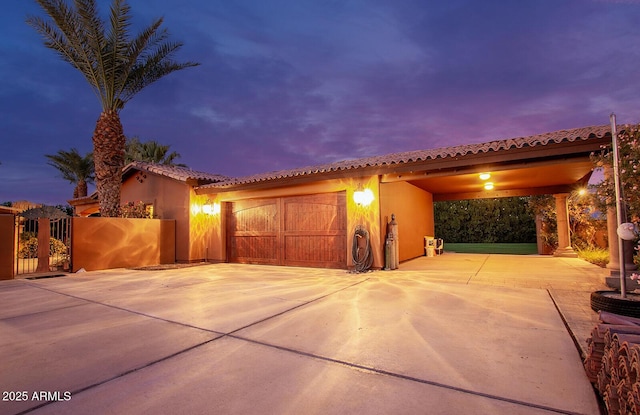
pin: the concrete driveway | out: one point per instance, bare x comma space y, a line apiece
244, 339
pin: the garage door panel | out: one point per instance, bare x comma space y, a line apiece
261, 217
315, 213
326, 251
252, 227
255, 249
300, 230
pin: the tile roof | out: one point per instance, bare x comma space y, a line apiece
407, 157
182, 174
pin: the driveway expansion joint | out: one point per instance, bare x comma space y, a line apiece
296, 307
115, 307
383, 372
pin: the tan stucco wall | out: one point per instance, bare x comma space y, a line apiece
413, 208
170, 199
7, 250
209, 234
206, 241
105, 243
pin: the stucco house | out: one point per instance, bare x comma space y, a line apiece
307, 216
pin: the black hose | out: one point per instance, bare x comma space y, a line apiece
362, 255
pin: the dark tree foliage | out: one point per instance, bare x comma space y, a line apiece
503, 220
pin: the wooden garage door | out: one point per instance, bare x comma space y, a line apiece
302, 230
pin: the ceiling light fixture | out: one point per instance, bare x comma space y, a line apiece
485, 176
488, 186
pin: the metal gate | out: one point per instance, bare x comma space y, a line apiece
43, 241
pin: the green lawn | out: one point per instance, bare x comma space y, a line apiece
516, 249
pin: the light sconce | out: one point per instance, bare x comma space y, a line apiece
363, 197
485, 176
488, 186
211, 208
627, 231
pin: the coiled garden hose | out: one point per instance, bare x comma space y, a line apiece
361, 250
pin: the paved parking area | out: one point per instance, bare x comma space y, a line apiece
230, 338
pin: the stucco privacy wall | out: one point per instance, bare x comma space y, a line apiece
104, 243
170, 200
211, 231
7, 253
413, 208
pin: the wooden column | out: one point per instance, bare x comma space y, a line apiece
564, 232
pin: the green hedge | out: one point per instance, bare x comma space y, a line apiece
503, 220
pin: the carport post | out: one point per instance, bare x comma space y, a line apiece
562, 219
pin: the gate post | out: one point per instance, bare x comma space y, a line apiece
44, 236
7, 246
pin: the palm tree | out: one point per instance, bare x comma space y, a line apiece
74, 168
150, 151
116, 66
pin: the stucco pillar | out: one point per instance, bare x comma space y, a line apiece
7, 246
612, 240
43, 244
564, 233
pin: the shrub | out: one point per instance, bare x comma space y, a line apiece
30, 248
135, 210
596, 256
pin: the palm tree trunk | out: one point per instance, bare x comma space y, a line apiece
81, 189
108, 155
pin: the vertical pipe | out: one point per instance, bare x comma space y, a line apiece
619, 204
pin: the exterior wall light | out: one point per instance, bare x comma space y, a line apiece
211, 208
627, 231
485, 176
488, 186
363, 197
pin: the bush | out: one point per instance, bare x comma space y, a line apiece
503, 220
30, 248
135, 210
596, 256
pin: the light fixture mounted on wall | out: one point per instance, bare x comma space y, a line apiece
211, 208
363, 197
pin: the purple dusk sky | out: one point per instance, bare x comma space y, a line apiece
286, 84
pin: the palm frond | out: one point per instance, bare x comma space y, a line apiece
72, 166
66, 35
116, 66
116, 53
155, 66
92, 37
